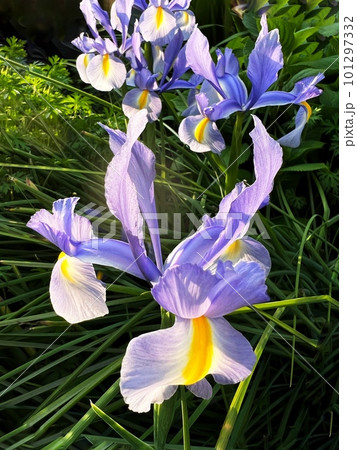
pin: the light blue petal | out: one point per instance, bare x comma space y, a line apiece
293, 139
201, 135
234, 356
183, 290
240, 286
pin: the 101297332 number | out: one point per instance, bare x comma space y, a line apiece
348, 51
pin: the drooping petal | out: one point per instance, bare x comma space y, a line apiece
82, 64
76, 294
201, 134
153, 364
293, 139
137, 99
201, 389
234, 358
106, 72
264, 63
109, 252
199, 59
240, 286
63, 228
183, 290
157, 25
87, 10
186, 22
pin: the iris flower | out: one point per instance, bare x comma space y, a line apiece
98, 65
76, 294
201, 342
162, 18
145, 95
223, 236
225, 92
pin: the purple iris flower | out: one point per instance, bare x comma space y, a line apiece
223, 236
98, 65
161, 19
201, 341
76, 294
145, 94
226, 93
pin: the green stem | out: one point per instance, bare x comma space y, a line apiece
185, 426
232, 170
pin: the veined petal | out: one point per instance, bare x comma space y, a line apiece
137, 99
120, 18
264, 63
157, 25
129, 190
82, 64
201, 134
106, 72
183, 290
293, 139
199, 59
234, 358
186, 21
63, 228
87, 10
76, 294
247, 200
240, 286
155, 363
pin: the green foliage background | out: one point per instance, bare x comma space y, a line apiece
52, 147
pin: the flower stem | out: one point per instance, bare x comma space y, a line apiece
232, 170
185, 427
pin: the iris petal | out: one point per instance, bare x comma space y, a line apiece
76, 294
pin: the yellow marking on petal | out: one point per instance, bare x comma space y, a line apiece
66, 267
186, 17
201, 351
309, 110
200, 129
159, 17
100, 275
143, 99
106, 64
232, 251
86, 60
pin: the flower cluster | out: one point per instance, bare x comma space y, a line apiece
216, 270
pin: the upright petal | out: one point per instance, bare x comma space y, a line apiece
247, 200
76, 294
199, 59
63, 228
264, 63
129, 190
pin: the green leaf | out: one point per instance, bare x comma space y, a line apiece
329, 30
308, 167
125, 434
